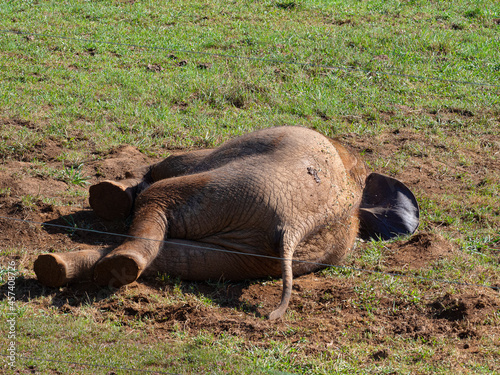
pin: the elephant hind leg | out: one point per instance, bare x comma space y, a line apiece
126, 263
113, 200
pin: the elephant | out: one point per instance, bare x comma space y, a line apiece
280, 201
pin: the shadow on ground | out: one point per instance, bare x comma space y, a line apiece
89, 293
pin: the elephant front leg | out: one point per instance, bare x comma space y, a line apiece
55, 270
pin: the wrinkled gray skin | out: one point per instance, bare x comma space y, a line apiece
285, 192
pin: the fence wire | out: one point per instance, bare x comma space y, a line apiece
251, 58
325, 265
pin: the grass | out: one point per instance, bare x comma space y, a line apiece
85, 342
112, 88
91, 76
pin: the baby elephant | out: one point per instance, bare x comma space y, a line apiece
241, 211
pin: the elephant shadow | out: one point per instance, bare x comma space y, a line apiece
88, 293
87, 228
222, 293
26, 289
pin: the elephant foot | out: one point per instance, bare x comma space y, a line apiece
51, 270
111, 200
117, 270
56, 270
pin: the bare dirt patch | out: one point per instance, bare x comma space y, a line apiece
418, 252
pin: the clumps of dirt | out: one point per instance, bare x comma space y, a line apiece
452, 111
204, 66
121, 162
344, 22
38, 187
418, 252
473, 308
417, 326
17, 122
154, 68
47, 151
42, 149
449, 308
380, 354
143, 308
320, 308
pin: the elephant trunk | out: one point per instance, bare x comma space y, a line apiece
288, 244
287, 274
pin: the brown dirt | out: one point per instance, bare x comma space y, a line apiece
421, 250
321, 307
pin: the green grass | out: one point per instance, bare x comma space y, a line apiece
77, 84
86, 343
120, 72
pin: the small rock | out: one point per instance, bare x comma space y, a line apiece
204, 66
154, 68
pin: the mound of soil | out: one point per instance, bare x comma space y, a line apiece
418, 252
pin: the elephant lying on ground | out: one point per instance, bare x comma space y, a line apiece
286, 192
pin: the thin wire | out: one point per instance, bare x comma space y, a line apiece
420, 94
251, 58
392, 274
90, 365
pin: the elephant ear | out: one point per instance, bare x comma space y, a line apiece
388, 208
